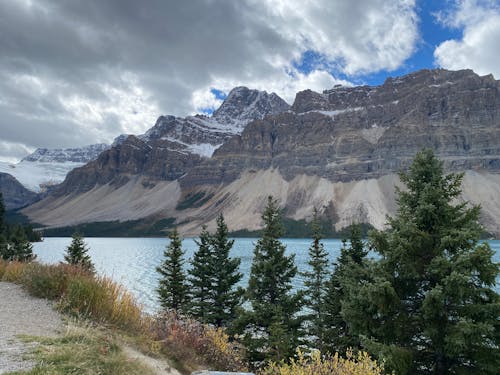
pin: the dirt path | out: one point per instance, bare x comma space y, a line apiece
21, 314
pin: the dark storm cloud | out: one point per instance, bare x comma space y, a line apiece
79, 72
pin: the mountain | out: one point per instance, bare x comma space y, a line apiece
339, 150
173, 145
47, 167
15, 195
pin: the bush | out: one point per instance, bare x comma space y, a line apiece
13, 272
102, 300
315, 364
189, 341
47, 281
3, 266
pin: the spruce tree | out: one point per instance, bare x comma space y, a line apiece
77, 254
350, 270
172, 288
271, 327
18, 246
430, 307
225, 275
315, 283
2, 215
200, 278
3, 235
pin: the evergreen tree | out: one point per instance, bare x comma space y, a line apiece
350, 271
271, 327
173, 289
18, 247
77, 254
2, 215
200, 278
315, 283
226, 298
3, 235
430, 307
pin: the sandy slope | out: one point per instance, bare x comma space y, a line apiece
243, 200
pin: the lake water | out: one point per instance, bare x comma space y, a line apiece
132, 261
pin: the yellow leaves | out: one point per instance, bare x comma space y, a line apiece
317, 364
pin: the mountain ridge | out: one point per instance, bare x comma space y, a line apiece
339, 150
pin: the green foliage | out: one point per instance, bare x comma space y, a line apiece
213, 277
173, 289
350, 272
16, 246
77, 254
130, 228
200, 278
315, 283
2, 214
271, 327
226, 275
430, 306
302, 229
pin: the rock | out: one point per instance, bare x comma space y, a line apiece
349, 134
15, 195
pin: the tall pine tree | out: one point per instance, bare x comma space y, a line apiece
172, 288
201, 279
18, 247
349, 272
2, 215
77, 254
271, 327
3, 234
430, 307
315, 283
225, 275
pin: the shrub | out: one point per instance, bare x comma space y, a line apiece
189, 341
315, 364
13, 272
47, 281
3, 266
102, 300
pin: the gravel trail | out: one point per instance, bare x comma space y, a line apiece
21, 314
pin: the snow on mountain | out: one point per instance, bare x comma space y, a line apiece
202, 135
243, 105
46, 167
63, 155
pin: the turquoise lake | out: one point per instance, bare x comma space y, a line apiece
132, 261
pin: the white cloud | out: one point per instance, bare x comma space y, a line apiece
479, 47
90, 70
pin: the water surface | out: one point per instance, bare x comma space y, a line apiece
132, 261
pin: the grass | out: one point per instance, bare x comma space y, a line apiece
87, 297
82, 350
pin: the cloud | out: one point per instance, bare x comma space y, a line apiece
478, 47
79, 72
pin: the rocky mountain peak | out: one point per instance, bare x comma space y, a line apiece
426, 82
63, 155
243, 105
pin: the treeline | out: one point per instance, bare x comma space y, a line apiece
15, 240
426, 305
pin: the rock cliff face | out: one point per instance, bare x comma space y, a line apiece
339, 150
15, 195
349, 134
173, 145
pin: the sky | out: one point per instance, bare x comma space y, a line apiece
77, 72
